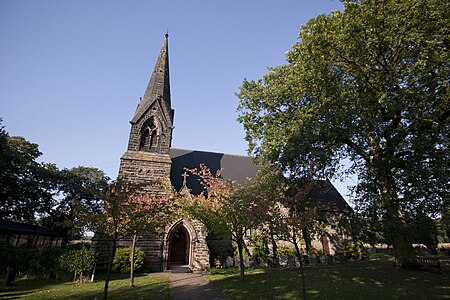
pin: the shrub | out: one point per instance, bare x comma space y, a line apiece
351, 252
8, 256
78, 262
286, 251
259, 249
122, 259
45, 261
23, 261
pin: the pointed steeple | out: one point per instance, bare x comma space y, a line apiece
158, 88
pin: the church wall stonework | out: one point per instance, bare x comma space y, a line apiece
164, 129
200, 255
147, 161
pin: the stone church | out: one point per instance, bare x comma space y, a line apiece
150, 157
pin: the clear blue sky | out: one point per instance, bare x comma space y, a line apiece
72, 72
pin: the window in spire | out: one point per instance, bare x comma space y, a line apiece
149, 136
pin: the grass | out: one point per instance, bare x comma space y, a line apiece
374, 279
147, 287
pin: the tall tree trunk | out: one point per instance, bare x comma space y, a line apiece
133, 247
398, 229
110, 263
300, 260
396, 224
240, 244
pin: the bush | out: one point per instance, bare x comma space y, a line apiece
8, 256
23, 261
78, 262
351, 252
122, 259
259, 248
286, 251
45, 261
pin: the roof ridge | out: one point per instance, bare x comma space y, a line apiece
228, 154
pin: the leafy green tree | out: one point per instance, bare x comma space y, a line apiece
26, 186
225, 208
370, 85
291, 213
425, 231
34, 192
144, 214
126, 210
75, 186
77, 261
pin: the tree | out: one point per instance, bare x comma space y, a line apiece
290, 210
127, 210
144, 214
34, 192
77, 261
26, 186
225, 208
370, 85
110, 221
79, 185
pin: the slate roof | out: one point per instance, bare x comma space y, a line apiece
238, 168
328, 198
235, 167
14, 227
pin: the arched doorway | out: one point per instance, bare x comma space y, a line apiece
179, 246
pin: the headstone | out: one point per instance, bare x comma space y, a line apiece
229, 262
283, 261
272, 262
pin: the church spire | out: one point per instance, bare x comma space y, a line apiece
158, 88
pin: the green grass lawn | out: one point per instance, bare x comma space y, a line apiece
375, 279
147, 287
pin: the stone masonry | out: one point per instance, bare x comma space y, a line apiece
147, 161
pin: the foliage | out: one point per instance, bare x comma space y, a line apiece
286, 251
226, 208
425, 231
45, 261
351, 252
259, 247
8, 255
40, 193
25, 185
370, 85
76, 186
77, 261
122, 259
23, 260
127, 210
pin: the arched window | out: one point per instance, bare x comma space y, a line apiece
149, 136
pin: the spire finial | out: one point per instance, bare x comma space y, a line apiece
167, 33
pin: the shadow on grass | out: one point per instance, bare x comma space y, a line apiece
355, 280
147, 287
